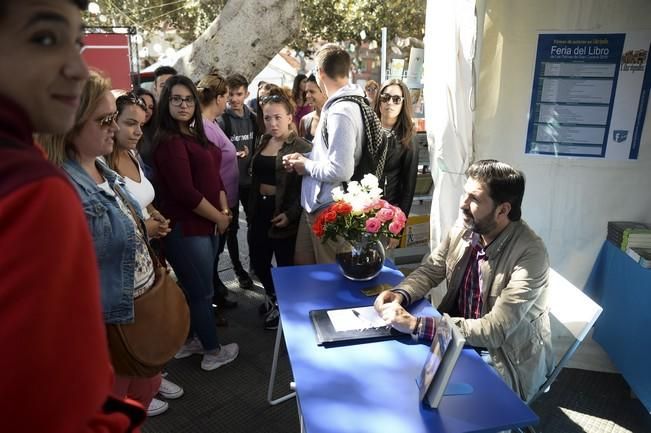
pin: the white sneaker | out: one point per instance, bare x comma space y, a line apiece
189, 348
226, 354
156, 407
170, 390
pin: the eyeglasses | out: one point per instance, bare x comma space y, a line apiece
385, 97
371, 89
107, 120
177, 101
132, 98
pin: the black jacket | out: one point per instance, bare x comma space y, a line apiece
400, 170
288, 187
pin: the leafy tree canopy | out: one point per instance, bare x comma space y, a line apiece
323, 20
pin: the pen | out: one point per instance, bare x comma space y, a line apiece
369, 324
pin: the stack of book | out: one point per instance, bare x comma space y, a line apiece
640, 255
632, 237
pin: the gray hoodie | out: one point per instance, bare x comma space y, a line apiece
241, 131
329, 166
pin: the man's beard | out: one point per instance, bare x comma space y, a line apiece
480, 226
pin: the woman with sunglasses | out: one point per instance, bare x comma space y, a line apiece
192, 194
315, 98
131, 118
274, 203
370, 90
213, 93
132, 111
125, 266
393, 107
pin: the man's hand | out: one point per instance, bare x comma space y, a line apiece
386, 297
398, 317
294, 162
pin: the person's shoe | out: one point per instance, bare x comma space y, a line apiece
266, 306
226, 354
189, 348
170, 390
156, 407
272, 319
244, 280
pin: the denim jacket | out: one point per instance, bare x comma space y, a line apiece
114, 238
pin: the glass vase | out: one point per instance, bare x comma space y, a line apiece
360, 260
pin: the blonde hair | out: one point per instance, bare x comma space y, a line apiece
210, 87
59, 147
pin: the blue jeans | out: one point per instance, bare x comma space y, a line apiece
192, 258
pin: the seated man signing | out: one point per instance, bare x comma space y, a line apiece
496, 269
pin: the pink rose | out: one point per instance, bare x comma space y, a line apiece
385, 214
396, 227
373, 225
399, 216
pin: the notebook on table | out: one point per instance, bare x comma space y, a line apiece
350, 325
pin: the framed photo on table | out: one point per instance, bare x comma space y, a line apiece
441, 359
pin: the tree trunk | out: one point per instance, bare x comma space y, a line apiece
242, 39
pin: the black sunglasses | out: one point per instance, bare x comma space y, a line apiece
272, 98
385, 97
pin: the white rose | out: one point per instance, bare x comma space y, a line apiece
337, 193
369, 181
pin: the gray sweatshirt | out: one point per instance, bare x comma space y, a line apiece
241, 131
329, 166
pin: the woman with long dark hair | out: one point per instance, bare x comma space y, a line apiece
393, 107
145, 146
298, 94
192, 195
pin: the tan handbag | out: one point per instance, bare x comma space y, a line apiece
161, 325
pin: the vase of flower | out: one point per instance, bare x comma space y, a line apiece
361, 217
362, 259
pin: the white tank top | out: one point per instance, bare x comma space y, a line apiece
142, 191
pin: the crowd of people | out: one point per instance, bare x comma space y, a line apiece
147, 178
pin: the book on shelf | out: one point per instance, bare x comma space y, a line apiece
619, 231
636, 238
640, 255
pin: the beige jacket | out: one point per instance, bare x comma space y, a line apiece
514, 324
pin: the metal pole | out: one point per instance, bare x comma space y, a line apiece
383, 55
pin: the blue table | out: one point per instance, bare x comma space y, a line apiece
371, 387
623, 288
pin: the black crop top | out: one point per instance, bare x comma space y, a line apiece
264, 168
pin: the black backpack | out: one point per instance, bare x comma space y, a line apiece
374, 152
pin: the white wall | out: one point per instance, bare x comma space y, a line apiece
567, 201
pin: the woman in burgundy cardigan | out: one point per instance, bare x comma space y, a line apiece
192, 196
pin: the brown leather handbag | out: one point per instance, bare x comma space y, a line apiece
160, 327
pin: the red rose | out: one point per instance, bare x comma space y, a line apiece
330, 216
342, 208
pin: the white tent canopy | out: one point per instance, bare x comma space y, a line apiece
568, 201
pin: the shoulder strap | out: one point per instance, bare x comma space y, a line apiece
376, 144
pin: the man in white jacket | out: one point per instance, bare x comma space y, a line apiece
334, 155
